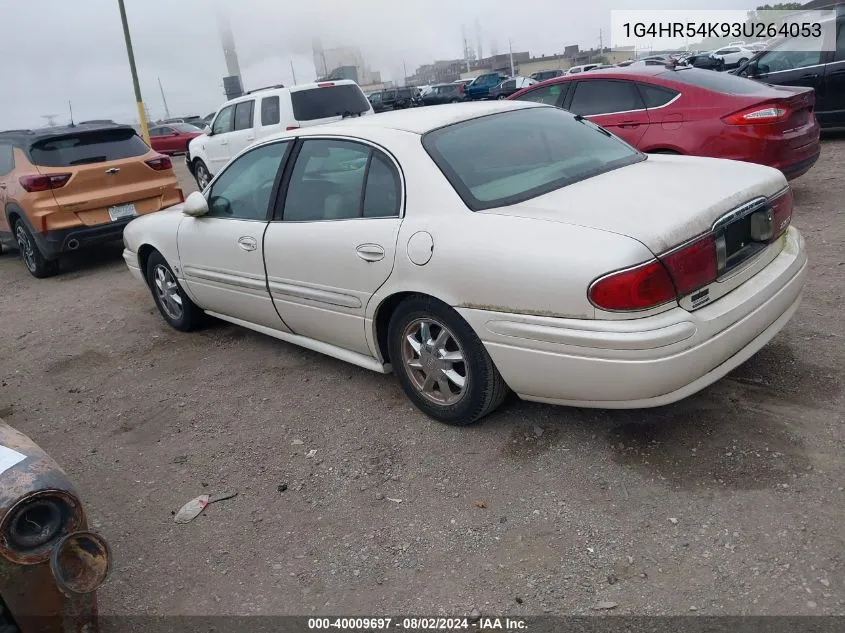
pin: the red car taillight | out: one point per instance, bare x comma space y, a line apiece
759, 115
44, 183
674, 274
692, 266
639, 288
781, 212
160, 163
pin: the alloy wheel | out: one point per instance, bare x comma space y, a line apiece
203, 177
434, 361
167, 291
26, 247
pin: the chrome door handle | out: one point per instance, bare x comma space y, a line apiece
248, 243
250, 138
370, 252
224, 142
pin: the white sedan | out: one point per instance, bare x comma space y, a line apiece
476, 248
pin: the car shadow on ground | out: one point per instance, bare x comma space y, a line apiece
72, 265
742, 433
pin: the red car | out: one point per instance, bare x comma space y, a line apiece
173, 138
692, 111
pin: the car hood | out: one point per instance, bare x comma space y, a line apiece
662, 201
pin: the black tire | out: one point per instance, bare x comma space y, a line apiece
455, 101
34, 260
186, 319
501, 97
201, 174
483, 390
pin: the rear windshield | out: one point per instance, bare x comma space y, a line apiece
510, 157
88, 147
322, 103
186, 127
718, 82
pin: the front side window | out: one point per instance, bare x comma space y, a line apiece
550, 95
338, 180
506, 158
243, 115
780, 59
270, 111
224, 120
243, 190
605, 97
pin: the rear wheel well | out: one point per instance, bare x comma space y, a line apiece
382, 319
662, 150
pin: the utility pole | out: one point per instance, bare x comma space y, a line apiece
293, 72
601, 42
510, 50
142, 115
166, 109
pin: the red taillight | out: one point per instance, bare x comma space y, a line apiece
325, 84
292, 127
759, 114
781, 212
160, 163
639, 288
692, 266
43, 183
675, 274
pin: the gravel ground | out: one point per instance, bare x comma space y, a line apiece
730, 502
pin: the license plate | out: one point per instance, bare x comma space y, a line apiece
122, 211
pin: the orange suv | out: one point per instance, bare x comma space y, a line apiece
68, 188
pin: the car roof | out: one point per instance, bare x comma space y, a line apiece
26, 138
417, 120
260, 92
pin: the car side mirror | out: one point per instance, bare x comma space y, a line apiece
208, 131
195, 205
174, 134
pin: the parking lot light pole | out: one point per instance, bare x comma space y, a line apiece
142, 114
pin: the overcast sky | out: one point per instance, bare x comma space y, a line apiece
74, 49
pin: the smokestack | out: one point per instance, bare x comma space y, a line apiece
479, 50
228, 42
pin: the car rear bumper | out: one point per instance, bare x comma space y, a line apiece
799, 167
646, 362
56, 242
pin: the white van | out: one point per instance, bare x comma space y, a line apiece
260, 113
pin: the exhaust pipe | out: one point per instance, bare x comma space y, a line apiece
73, 244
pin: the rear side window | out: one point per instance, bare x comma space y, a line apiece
88, 147
656, 96
270, 111
840, 43
243, 115
505, 158
717, 82
7, 159
382, 191
330, 101
605, 97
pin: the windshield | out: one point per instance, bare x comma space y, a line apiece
510, 157
88, 147
330, 101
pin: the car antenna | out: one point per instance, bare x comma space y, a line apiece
70, 107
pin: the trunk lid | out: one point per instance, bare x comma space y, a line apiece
662, 201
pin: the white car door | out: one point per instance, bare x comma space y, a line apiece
221, 253
243, 132
216, 145
333, 239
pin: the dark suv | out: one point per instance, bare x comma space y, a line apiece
823, 71
543, 75
393, 99
444, 93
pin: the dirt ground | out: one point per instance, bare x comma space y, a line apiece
730, 502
